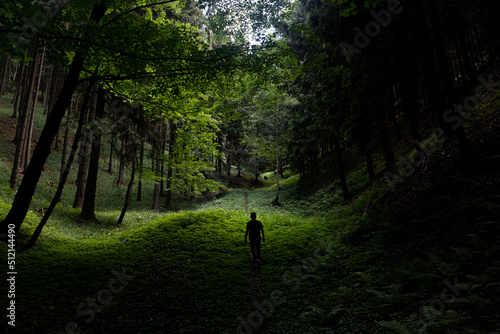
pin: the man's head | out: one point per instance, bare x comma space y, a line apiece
253, 215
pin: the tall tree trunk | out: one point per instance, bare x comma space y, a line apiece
110, 164
88, 207
65, 142
170, 169
129, 191
20, 86
277, 144
388, 153
4, 76
32, 110
122, 161
46, 91
64, 174
219, 159
342, 172
369, 164
162, 144
156, 191
84, 154
447, 82
141, 163
23, 123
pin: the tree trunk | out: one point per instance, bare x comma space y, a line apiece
22, 200
129, 191
32, 110
23, 123
122, 161
156, 191
64, 174
170, 170
447, 82
88, 207
228, 166
20, 84
65, 143
4, 77
84, 154
141, 163
342, 172
369, 164
162, 144
110, 165
46, 91
388, 153
276, 139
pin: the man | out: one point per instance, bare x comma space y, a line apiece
253, 228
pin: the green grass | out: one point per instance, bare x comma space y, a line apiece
191, 268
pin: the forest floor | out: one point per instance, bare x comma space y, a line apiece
420, 259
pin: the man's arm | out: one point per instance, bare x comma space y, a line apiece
246, 234
263, 237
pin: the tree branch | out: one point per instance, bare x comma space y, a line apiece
141, 75
134, 9
127, 54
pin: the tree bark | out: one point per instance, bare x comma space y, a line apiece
88, 207
170, 169
110, 164
4, 76
342, 172
23, 123
129, 192
32, 110
369, 164
46, 91
26, 190
156, 191
122, 161
219, 159
20, 84
276, 139
141, 163
64, 174
84, 154
162, 144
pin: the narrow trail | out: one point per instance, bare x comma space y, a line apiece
258, 319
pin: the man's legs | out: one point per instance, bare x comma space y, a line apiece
253, 249
255, 246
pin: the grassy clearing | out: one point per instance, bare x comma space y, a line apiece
191, 269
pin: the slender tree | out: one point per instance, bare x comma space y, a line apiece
88, 206
20, 206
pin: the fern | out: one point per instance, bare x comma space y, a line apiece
461, 300
397, 327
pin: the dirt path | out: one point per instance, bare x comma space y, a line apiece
258, 319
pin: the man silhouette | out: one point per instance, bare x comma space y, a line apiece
253, 229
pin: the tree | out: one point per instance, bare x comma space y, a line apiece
169, 53
26, 190
270, 120
88, 206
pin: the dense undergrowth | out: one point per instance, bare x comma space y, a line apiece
420, 259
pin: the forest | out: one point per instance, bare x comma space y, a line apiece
138, 138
